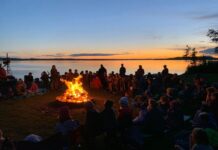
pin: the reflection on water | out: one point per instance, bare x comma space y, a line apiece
20, 68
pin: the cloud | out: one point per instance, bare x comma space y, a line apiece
55, 55
177, 49
206, 17
210, 51
97, 54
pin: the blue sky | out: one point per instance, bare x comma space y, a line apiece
123, 28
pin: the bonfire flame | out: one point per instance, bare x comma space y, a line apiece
74, 92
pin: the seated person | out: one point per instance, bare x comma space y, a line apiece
33, 88
141, 115
20, 87
175, 117
198, 141
3, 74
125, 115
65, 124
109, 122
153, 120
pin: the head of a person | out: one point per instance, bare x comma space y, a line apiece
165, 66
124, 102
210, 90
53, 67
152, 104
170, 91
121, 65
64, 114
20, 80
102, 66
140, 66
108, 104
70, 70
163, 100
199, 136
30, 73
75, 71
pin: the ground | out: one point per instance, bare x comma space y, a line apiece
38, 114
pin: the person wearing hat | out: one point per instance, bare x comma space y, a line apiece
125, 115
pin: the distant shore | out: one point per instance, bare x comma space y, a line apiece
99, 59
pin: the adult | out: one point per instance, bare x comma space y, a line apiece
153, 120
28, 79
3, 74
122, 70
199, 140
20, 87
140, 72
125, 115
54, 78
92, 126
45, 80
165, 71
102, 73
66, 126
109, 122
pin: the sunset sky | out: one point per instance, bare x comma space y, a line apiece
105, 28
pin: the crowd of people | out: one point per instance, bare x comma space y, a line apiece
153, 110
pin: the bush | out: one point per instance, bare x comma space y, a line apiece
208, 67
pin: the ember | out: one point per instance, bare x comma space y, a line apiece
74, 93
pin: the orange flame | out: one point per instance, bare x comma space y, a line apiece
74, 93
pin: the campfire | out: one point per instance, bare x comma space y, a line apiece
74, 93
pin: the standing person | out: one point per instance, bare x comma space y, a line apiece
54, 78
3, 74
140, 72
122, 71
70, 75
102, 73
45, 80
28, 79
165, 71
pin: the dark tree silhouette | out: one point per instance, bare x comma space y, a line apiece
213, 35
187, 51
190, 53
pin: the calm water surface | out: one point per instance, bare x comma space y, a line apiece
21, 68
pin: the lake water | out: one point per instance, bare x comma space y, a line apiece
21, 68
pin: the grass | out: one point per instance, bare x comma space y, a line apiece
210, 77
35, 115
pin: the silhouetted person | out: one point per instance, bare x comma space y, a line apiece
28, 80
3, 74
140, 72
165, 71
102, 73
54, 78
122, 70
45, 80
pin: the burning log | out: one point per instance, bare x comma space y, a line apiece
75, 93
